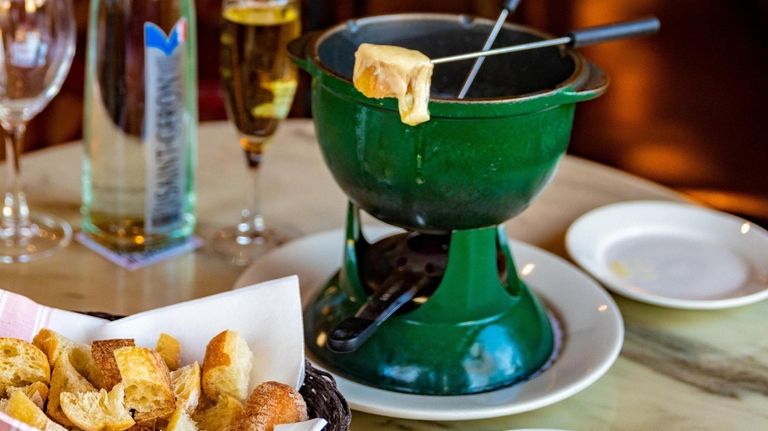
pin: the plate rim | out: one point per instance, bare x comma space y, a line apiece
651, 298
476, 412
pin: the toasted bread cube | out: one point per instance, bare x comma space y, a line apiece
393, 71
97, 411
185, 383
149, 425
271, 404
52, 344
147, 383
103, 354
21, 364
227, 366
169, 349
65, 378
37, 392
180, 421
81, 357
219, 416
21, 408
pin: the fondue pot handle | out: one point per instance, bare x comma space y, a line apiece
593, 86
298, 51
621, 30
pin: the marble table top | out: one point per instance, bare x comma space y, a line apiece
691, 370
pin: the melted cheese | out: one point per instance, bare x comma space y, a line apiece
392, 71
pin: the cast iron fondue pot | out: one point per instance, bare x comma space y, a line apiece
464, 323
479, 161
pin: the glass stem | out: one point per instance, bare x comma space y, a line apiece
15, 210
251, 227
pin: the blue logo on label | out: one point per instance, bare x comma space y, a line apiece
154, 36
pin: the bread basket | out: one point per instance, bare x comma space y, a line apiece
319, 391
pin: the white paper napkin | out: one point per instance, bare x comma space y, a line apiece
310, 425
267, 315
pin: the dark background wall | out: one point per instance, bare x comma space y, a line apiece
685, 108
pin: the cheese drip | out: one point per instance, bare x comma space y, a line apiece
392, 71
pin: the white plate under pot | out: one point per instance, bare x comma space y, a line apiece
672, 254
593, 331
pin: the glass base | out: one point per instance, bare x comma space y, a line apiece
44, 236
241, 249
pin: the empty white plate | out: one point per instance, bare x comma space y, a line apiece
672, 254
591, 321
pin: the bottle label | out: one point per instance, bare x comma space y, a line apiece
165, 134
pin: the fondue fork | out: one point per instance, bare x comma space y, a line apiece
509, 8
576, 38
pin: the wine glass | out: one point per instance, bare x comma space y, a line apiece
259, 83
38, 43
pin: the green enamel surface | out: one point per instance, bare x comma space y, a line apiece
464, 171
474, 334
471, 167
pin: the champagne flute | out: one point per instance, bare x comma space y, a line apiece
38, 43
259, 83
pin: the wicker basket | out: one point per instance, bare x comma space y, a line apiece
319, 391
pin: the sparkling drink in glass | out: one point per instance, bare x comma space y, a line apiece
259, 82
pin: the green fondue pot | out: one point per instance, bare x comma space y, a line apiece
478, 162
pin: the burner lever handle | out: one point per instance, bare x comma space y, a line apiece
353, 331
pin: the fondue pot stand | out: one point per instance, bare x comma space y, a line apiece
438, 309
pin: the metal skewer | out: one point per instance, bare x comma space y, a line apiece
509, 8
577, 38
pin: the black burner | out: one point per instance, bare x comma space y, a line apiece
410, 259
